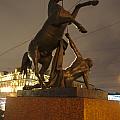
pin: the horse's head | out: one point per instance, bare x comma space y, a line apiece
53, 7
56, 1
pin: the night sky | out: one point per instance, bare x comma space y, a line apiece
20, 20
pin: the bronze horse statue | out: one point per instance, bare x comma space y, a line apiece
48, 38
80, 67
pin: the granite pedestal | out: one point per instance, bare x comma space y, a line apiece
65, 92
79, 106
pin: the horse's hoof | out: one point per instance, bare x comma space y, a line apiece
83, 31
26, 87
95, 2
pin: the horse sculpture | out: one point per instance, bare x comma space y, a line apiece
80, 67
49, 37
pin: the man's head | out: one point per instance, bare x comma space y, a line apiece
89, 62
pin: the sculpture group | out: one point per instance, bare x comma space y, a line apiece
50, 38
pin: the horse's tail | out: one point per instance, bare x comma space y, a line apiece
26, 63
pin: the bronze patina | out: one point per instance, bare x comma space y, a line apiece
80, 67
50, 36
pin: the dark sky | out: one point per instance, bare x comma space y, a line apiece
20, 20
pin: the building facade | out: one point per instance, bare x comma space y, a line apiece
11, 82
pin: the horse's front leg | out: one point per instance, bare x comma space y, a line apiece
69, 19
80, 5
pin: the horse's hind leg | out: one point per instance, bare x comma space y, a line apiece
45, 61
35, 60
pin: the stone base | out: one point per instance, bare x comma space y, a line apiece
61, 108
65, 92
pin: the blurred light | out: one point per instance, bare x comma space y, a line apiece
6, 89
114, 97
2, 103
